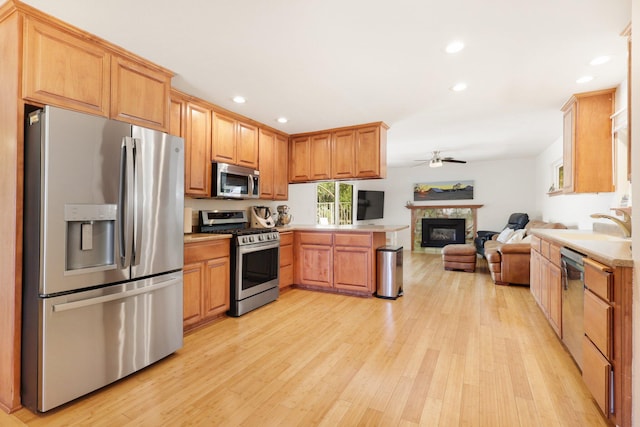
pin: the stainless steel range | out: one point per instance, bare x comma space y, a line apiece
255, 259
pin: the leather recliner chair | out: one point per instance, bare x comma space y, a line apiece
516, 221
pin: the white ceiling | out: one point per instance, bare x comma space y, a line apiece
331, 63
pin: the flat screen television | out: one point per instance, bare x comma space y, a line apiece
370, 205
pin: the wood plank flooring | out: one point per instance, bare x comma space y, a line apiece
455, 350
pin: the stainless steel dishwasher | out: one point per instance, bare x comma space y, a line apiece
573, 302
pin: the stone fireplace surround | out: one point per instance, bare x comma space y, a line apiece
468, 212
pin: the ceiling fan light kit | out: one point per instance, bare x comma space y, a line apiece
435, 163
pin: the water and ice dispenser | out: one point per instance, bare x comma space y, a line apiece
90, 236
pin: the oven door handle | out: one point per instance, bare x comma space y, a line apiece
245, 249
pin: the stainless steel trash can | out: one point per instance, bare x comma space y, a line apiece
389, 272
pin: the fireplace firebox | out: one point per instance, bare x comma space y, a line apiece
439, 232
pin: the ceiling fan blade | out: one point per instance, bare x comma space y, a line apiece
450, 160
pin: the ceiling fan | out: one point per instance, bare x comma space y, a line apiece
436, 161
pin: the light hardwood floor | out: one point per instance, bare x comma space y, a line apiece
455, 350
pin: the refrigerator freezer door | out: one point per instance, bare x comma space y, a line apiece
159, 203
92, 338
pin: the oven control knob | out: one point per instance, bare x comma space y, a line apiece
252, 239
261, 237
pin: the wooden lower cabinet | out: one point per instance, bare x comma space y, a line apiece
607, 322
337, 261
286, 259
206, 281
546, 281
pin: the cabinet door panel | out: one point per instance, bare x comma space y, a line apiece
316, 265
223, 147
139, 95
286, 276
60, 69
286, 255
368, 149
247, 145
344, 154
596, 372
281, 168
300, 159
197, 146
320, 153
176, 117
555, 298
352, 266
216, 290
193, 276
266, 142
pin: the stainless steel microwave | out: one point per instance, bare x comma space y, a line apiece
234, 182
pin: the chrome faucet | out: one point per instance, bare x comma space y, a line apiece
624, 224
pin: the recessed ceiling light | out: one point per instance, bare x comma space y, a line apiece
282, 120
584, 79
600, 60
459, 87
454, 47
239, 99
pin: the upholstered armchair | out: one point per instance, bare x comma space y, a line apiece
516, 221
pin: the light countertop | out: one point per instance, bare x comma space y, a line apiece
610, 250
362, 228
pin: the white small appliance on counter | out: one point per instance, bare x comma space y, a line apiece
262, 217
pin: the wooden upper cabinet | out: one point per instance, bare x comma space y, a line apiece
247, 145
274, 154
588, 147
234, 141
63, 70
70, 71
320, 152
371, 152
354, 152
343, 159
223, 148
139, 94
310, 157
267, 141
176, 116
281, 168
300, 159
197, 148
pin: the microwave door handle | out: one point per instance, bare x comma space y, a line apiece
251, 185
125, 203
137, 204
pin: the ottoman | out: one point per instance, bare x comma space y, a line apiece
459, 257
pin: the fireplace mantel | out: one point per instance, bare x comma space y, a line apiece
443, 206
422, 211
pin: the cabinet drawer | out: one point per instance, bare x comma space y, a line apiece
310, 238
554, 254
598, 278
286, 255
286, 238
596, 371
349, 239
201, 251
597, 322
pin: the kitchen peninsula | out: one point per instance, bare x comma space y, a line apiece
334, 258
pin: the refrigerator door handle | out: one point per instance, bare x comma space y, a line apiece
137, 201
107, 298
125, 202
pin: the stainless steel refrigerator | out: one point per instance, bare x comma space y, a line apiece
102, 255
